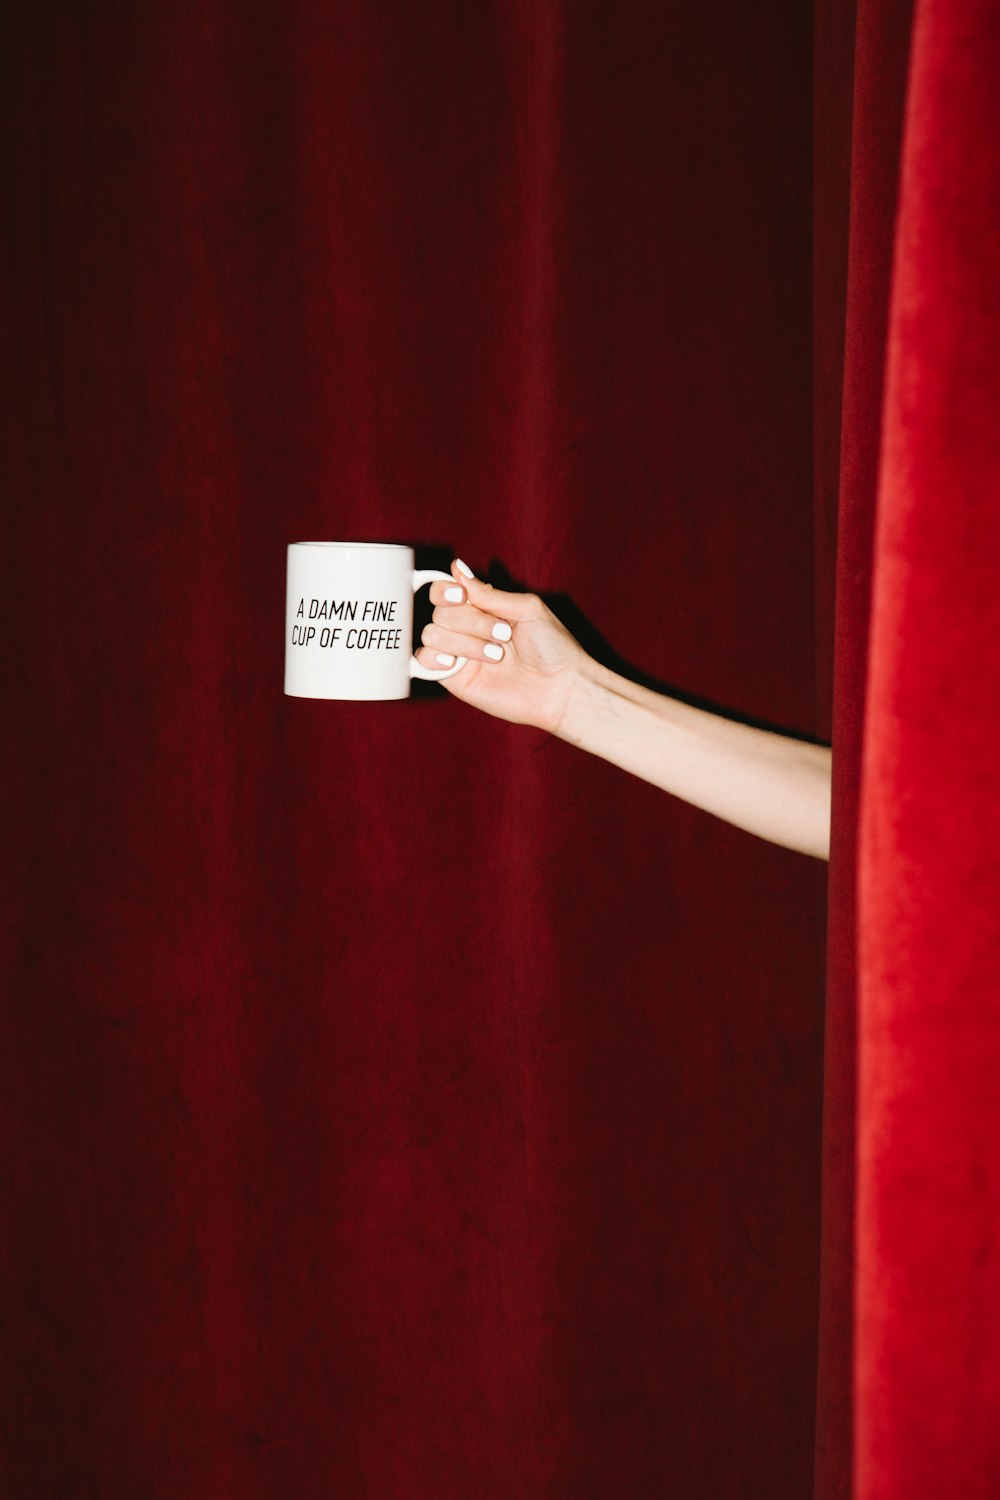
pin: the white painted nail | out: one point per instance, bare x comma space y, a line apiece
495, 653
455, 595
444, 660
501, 631
464, 568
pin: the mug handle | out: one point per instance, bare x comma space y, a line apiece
417, 669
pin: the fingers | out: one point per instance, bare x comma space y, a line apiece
473, 619
459, 628
448, 642
438, 661
447, 593
499, 602
467, 619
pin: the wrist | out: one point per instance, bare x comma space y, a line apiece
588, 687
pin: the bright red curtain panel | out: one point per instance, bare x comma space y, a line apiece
928, 1371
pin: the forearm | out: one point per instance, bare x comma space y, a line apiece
770, 785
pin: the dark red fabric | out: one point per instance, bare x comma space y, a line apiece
832, 133
397, 1103
928, 1366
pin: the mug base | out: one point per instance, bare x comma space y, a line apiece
350, 697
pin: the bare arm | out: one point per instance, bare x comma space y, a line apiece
773, 786
525, 666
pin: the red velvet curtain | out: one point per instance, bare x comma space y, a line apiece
910, 1295
860, 92
928, 1292
400, 1103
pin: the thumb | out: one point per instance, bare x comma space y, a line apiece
499, 602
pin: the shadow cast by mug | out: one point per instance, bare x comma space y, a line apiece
592, 641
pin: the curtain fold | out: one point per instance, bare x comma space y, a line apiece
928, 1293
880, 57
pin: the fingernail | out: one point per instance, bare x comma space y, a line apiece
495, 653
455, 595
501, 631
464, 568
444, 660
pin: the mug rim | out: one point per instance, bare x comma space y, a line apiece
370, 546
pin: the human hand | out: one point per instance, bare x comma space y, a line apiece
523, 662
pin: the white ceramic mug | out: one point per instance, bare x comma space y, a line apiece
349, 620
